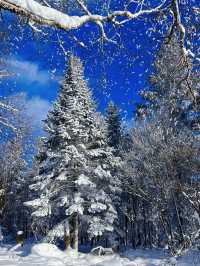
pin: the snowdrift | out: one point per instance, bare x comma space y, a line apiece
47, 250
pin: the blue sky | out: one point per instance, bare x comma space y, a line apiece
38, 75
38, 64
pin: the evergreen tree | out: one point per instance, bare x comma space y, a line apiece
113, 120
75, 182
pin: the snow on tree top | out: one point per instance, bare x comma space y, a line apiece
97, 207
84, 181
100, 172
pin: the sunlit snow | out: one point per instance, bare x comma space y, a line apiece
49, 255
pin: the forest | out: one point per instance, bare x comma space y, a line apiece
99, 132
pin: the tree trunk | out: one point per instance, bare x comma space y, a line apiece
75, 233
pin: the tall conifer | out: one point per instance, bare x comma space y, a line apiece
75, 181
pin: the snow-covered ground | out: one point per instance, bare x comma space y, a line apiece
50, 255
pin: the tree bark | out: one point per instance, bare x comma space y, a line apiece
76, 233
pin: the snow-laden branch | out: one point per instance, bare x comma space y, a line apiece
196, 10
177, 22
4, 122
47, 15
7, 107
3, 73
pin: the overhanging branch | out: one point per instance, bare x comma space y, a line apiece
46, 15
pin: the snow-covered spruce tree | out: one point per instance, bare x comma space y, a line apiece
75, 180
119, 140
114, 126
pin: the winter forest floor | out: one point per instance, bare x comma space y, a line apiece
50, 255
